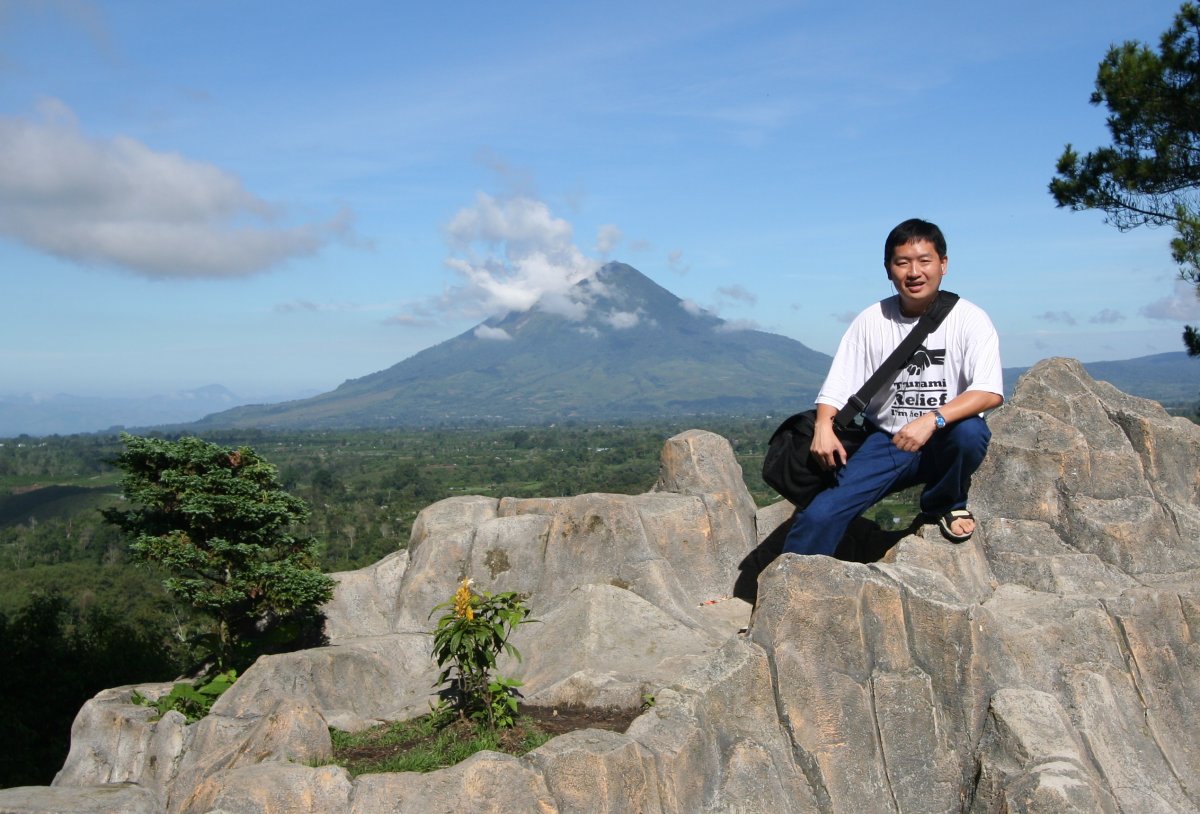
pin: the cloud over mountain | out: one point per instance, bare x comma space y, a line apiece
488, 332
511, 254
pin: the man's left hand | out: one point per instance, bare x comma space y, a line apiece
916, 433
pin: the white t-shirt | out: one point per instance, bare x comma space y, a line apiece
962, 354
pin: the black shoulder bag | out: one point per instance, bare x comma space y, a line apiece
788, 467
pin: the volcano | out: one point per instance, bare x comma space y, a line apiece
625, 349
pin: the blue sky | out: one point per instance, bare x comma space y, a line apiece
280, 196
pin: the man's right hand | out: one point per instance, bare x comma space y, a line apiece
826, 447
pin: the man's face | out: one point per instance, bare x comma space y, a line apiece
916, 271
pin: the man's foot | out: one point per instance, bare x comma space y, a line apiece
957, 525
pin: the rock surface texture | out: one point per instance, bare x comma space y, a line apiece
1048, 665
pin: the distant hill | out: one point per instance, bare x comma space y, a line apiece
639, 352
63, 414
1170, 378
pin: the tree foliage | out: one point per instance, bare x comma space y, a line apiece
218, 522
1150, 174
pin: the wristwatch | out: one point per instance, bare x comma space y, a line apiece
939, 419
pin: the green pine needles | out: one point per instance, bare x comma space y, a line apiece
219, 523
1149, 175
468, 639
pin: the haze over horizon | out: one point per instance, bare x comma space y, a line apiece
279, 197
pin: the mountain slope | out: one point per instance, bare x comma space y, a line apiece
637, 352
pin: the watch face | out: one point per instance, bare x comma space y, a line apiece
941, 422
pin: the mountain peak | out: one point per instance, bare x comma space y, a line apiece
630, 283
617, 297
616, 345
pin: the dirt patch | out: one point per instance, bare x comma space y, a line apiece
560, 720
554, 721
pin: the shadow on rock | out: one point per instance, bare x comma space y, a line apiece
865, 541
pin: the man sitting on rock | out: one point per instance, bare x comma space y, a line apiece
927, 427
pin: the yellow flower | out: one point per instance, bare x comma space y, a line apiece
463, 608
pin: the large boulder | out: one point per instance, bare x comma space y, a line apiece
1079, 468
1048, 665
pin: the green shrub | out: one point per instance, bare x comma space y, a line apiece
194, 700
468, 639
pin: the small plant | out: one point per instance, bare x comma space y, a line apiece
466, 642
194, 700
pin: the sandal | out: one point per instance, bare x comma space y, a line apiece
947, 520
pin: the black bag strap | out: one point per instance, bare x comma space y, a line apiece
887, 371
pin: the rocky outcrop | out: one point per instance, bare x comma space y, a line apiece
1048, 665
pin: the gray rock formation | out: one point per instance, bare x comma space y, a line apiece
1048, 665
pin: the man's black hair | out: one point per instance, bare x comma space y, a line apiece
910, 231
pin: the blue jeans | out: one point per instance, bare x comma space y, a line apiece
945, 465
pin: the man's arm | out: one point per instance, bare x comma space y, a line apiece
826, 447
916, 433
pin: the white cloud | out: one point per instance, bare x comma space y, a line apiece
563, 303
737, 293
1181, 306
622, 319
410, 321
846, 316
512, 254
490, 333
302, 305
1056, 316
117, 202
413, 315
732, 325
675, 262
1106, 317
84, 15
692, 308
293, 306
607, 238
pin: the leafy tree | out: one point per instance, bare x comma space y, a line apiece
1150, 175
218, 522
